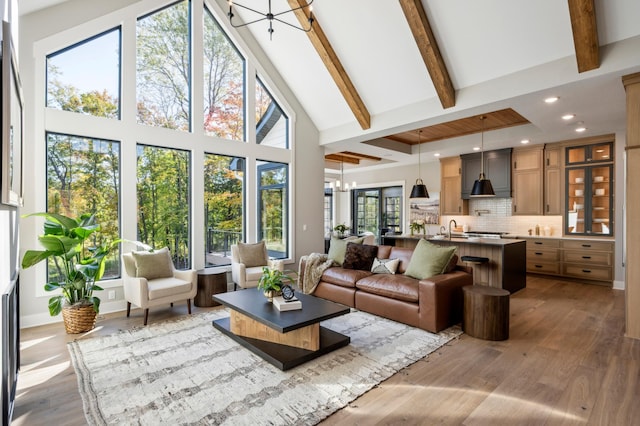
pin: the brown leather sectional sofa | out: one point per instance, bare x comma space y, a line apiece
431, 304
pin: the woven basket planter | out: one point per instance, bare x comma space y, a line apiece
79, 319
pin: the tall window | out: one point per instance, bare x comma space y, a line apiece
273, 181
83, 176
164, 201
378, 210
271, 121
223, 83
164, 68
223, 204
328, 208
85, 77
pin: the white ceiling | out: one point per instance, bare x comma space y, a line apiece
499, 54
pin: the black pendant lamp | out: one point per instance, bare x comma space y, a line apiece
482, 187
419, 190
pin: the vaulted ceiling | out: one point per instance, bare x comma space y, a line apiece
371, 73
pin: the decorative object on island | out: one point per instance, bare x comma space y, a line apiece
270, 16
272, 281
419, 190
79, 267
418, 227
341, 228
482, 187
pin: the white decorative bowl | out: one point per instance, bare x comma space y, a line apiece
598, 178
600, 191
579, 192
580, 180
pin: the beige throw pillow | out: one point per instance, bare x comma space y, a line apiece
152, 265
253, 254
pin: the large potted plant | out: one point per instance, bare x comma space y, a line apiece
79, 265
271, 282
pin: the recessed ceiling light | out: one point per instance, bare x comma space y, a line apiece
568, 116
580, 129
524, 141
476, 148
437, 154
551, 99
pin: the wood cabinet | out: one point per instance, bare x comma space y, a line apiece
589, 190
451, 202
587, 260
552, 180
527, 181
497, 168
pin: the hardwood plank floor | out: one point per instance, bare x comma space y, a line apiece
566, 362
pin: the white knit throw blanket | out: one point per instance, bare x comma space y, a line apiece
315, 264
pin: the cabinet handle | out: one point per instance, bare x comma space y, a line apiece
586, 257
538, 266
515, 209
547, 208
515, 164
459, 209
586, 245
538, 254
537, 242
586, 271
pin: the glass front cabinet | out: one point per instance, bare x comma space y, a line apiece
589, 190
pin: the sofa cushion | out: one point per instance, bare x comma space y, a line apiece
451, 266
385, 266
338, 248
429, 260
399, 287
152, 265
343, 277
253, 254
359, 256
402, 253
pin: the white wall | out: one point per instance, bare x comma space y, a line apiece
45, 31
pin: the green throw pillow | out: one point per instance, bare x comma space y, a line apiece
429, 260
338, 248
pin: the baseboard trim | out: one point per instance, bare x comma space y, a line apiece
619, 285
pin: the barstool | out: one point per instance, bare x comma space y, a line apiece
475, 260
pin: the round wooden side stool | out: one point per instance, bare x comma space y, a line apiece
486, 312
475, 260
210, 282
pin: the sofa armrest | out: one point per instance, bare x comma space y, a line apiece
441, 299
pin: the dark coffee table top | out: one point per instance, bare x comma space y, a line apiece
252, 303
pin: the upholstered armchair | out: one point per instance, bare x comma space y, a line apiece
150, 279
247, 261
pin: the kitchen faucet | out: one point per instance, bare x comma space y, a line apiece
443, 230
454, 223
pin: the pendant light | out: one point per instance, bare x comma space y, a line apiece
340, 184
419, 189
482, 187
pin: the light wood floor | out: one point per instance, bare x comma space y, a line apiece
566, 362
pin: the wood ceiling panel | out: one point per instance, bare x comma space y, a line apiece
349, 157
465, 126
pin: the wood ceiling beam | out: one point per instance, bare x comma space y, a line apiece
428, 47
341, 159
585, 34
333, 64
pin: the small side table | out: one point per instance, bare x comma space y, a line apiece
486, 312
210, 282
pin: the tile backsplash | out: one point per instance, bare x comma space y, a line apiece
494, 214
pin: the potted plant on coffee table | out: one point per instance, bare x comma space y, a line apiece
79, 266
271, 282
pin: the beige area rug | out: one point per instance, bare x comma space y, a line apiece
186, 372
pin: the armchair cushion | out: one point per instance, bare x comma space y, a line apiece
164, 287
253, 254
152, 265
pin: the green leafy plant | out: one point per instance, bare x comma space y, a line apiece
273, 279
80, 265
341, 228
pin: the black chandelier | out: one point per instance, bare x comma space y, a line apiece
270, 16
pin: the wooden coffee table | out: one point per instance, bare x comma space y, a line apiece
285, 339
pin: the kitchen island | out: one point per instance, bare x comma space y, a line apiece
507, 266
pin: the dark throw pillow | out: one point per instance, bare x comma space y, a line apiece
338, 248
359, 256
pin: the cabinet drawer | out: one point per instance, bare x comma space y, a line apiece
588, 245
588, 257
543, 267
587, 272
535, 243
541, 255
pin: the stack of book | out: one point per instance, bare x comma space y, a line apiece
286, 305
